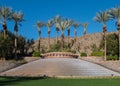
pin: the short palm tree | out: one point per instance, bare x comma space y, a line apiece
5, 13
17, 17
103, 17
49, 24
57, 20
39, 25
115, 13
63, 26
84, 26
69, 23
76, 25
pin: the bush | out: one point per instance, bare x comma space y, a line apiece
73, 51
112, 44
112, 57
36, 54
83, 54
97, 53
66, 50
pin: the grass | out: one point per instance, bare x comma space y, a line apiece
22, 81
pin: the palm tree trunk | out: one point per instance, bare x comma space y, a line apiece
68, 36
4, 32
56, 36
75, 35
84, 33
15, 45
119, 36
105, 47
4, 28
49, 41
62, 39
39, 45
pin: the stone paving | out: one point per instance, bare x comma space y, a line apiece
60, 67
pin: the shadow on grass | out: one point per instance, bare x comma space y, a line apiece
5, 80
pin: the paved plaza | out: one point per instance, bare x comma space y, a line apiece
60, 67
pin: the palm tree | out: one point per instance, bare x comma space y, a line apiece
69, 23
76, 25
17, 17
49, 24
63, 26
57, 20
5, 13
84, 26
103, 17
39, 25
115, 13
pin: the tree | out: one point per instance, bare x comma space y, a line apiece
63, 26
17, 17
76, 25
6, 46
39, 25
112, 45
69, 23
5, 13
115, 13
49, 24
21, 45
57, 20
103, 17
84, 26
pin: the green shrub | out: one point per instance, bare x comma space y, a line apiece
73, 51
112, 44
112, 57
66, 50
97, 53
83, 54
36, 54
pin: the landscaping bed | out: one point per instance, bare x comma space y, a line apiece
6, 65
113, 65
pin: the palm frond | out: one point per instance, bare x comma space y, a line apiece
102, 17
76, 24
5, 12
69, 22
115, 12
85, 25
17, 16
50, 23
39, 24
63, 25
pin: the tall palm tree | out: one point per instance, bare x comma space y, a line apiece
5, 13
76, 25
39, 25
103, 17
115, 13
69, 23
49, 24
84, 26
17, 17
63, 26
57, 20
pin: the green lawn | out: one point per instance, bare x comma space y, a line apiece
58, 82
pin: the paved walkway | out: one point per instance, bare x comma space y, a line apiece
60, 67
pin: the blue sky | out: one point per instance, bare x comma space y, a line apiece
42, 10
